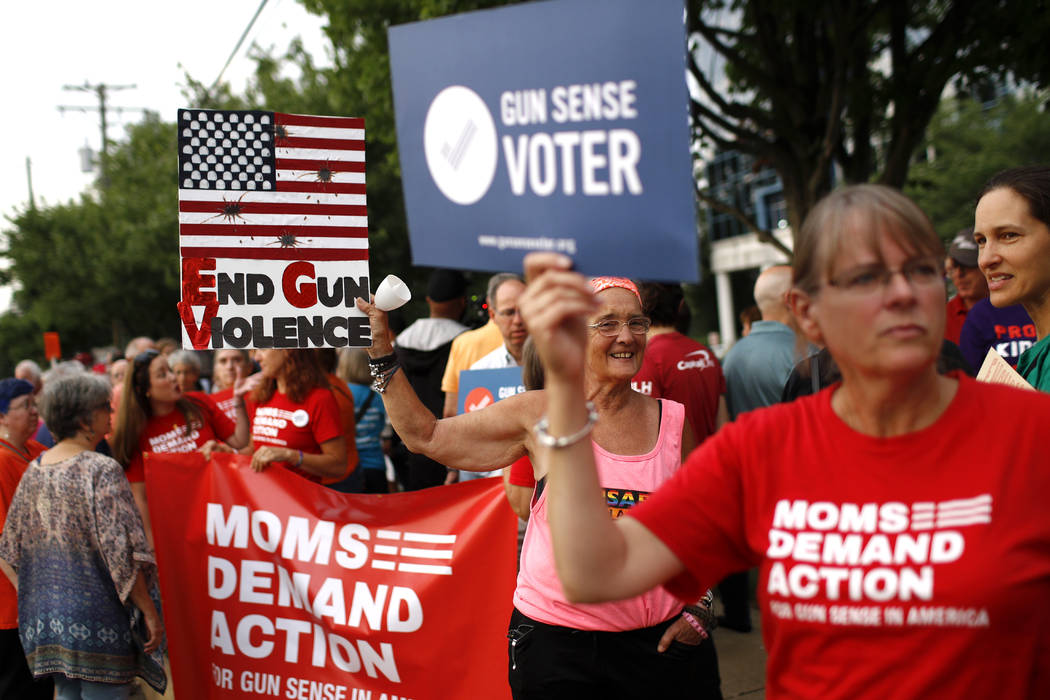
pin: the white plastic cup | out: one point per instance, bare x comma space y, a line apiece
392, 294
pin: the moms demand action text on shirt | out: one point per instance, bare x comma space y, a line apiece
870, 553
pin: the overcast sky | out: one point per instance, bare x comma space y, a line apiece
45, 45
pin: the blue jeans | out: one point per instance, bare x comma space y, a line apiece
76, 689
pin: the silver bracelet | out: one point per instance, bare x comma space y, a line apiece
381, 379
547, 440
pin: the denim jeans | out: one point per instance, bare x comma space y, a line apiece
76, 689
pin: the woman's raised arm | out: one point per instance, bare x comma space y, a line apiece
597, 558
476, 441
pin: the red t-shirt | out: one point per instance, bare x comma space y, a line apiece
954, 318
916, 566
677, 367
12, 467
281, 423
521, 473
166, 434
226, 402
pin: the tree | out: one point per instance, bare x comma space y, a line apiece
969, 142
847, 86
105, 267
358, 84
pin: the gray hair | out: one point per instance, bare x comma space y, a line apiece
494, 284
31, 368
184, 357
68, 402
68, 368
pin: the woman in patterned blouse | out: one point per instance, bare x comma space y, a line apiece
74, 539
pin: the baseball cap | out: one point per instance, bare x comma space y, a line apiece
11, 389
963, 250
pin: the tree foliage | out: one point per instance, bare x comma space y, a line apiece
811, 88
968, 142
102, 268
357, 84
817, 87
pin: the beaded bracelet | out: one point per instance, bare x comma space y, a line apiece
703, 611
382, 369
381, 364
695, 624
381, 379
547, 440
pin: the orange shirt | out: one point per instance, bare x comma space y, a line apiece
467, 348
12, 466
345, 400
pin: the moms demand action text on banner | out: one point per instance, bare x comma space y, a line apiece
276, 586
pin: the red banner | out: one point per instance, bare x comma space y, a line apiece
274, 586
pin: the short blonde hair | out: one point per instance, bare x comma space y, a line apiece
867, 211
353, 366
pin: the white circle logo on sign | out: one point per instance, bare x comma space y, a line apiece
459, 142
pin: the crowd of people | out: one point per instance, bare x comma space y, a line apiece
832, 449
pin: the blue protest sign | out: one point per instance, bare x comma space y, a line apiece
548, 126
479, 388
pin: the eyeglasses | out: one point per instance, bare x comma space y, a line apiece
610, 327
868, 279
19, 405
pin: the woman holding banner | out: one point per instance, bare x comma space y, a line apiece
1012, 230
650, 646
156, 416
893, 563
295, 417
75, 549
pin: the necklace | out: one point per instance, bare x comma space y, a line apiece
23, 453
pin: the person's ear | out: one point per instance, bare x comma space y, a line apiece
802, 306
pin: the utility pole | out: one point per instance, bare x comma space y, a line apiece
29, 181
101, 90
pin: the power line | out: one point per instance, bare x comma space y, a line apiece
240, 41
101, 90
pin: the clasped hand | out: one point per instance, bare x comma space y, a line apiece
556, 306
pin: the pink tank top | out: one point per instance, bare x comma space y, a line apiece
626, 480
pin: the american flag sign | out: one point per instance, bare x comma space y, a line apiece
273, 229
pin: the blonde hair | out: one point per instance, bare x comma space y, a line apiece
353, 366
864, 211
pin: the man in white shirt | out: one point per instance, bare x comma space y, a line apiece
503, 310
503, 292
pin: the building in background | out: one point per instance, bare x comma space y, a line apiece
737, 256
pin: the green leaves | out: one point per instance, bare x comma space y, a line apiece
967, 143
105, 267
847, 86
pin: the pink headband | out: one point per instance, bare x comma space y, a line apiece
600, 283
